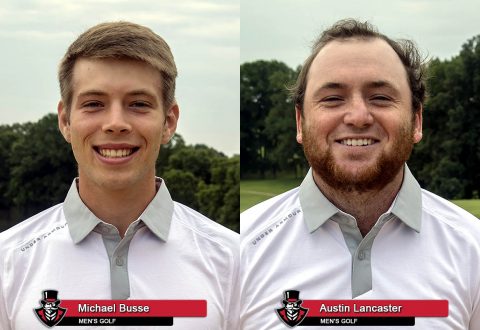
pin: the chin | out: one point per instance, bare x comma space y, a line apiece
116, 180
357, 171
365, 178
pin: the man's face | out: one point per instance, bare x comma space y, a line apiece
292, 306
357, 128
50, 306
117, 122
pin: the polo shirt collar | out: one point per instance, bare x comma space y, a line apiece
81, 221
317, 209
408, 204
158, 214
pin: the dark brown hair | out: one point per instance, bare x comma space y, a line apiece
350, 28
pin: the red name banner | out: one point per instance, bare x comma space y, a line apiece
376, 308
135, 308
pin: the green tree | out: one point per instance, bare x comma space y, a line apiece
175, 144
195, 159
206, 180
182, 185
41, 166
8, 136
285, 153
263, 91
447, 160
220, 200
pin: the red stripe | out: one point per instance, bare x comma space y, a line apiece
398, 308
157, 308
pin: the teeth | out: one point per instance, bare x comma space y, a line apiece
357, 142
115, 153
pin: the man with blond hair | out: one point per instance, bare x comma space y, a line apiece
118, 234
359, 226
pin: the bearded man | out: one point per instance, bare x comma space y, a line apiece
359, 226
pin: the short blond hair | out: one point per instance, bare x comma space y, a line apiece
120, 40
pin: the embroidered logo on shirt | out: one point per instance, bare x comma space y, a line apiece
275, 226
50, 313
292, 313
41, 237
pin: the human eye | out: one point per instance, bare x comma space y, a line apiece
140, 104
381, 100
332, 101
92, 105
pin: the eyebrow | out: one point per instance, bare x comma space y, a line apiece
95, 92
92, 92
328, 86
141, 92
332, 85
381, 84
372, 84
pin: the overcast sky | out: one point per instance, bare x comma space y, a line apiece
204, 36
285, 29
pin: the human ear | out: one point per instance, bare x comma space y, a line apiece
299, 119
170, 125
417, 129
64, 121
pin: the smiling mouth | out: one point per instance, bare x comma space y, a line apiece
357, 142
115, 153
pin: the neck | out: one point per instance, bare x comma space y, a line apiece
365, 206
119, 207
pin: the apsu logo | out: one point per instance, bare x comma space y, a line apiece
292, 312
50, 313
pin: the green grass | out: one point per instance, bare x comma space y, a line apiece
471, 205
255, 191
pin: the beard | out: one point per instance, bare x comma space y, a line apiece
371, 178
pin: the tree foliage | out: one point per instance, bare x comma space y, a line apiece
38, 167
267, 131
41, 165
448, 158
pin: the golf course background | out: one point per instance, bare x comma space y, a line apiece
255, 191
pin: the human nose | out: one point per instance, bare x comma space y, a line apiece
358, 113
116, 120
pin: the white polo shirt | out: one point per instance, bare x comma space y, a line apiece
424, 247
170, 252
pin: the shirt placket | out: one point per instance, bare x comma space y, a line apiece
360, 249
117, 250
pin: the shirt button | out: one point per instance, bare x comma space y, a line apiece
119, 261
361, 255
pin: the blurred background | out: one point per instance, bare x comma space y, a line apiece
200, 165
269, 39
276, 36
